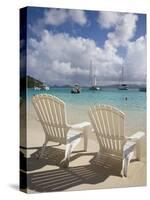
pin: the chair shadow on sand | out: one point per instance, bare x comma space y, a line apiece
97, 171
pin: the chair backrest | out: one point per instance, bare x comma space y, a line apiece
52, 115
108, 123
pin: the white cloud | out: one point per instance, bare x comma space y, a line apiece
60, 16
78, 16
108, 19
135, 60
122, 28
62, 59
59, 58
123, 25
55, 16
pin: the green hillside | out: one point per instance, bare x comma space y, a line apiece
32, 82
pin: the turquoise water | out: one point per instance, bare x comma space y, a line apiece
135, 100
78, 104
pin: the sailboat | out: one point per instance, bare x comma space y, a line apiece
93, 79
122, 85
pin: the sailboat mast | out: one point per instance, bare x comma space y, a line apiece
94, 80
122, 74
94, 77
91, 73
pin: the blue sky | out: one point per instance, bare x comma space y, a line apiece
91, 30
62, 43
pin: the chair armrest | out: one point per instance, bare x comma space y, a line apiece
136, 136
80, 125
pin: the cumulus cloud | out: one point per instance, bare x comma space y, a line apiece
55, 17
108, 19
60, 57
60, 16
123, 27
135, 60
78, 16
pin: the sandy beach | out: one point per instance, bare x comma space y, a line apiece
82, 58
86, 170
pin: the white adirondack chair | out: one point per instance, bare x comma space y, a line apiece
51, 112
108, 124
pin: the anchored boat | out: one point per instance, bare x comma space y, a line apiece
142, 89
76, 89
93, 79
122, 85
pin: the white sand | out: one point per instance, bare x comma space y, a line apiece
84, 172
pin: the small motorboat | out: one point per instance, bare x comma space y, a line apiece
75, 89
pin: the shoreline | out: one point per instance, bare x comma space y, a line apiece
83, 173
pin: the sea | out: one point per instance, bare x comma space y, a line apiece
132, 102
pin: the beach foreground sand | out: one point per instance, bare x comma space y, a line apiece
86, 171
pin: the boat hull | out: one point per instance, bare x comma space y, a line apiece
142, 89
123, 87
95, 88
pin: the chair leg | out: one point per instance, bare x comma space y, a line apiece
65, 162
126, 162
69, 148
122, 171
85, 135
68, 152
